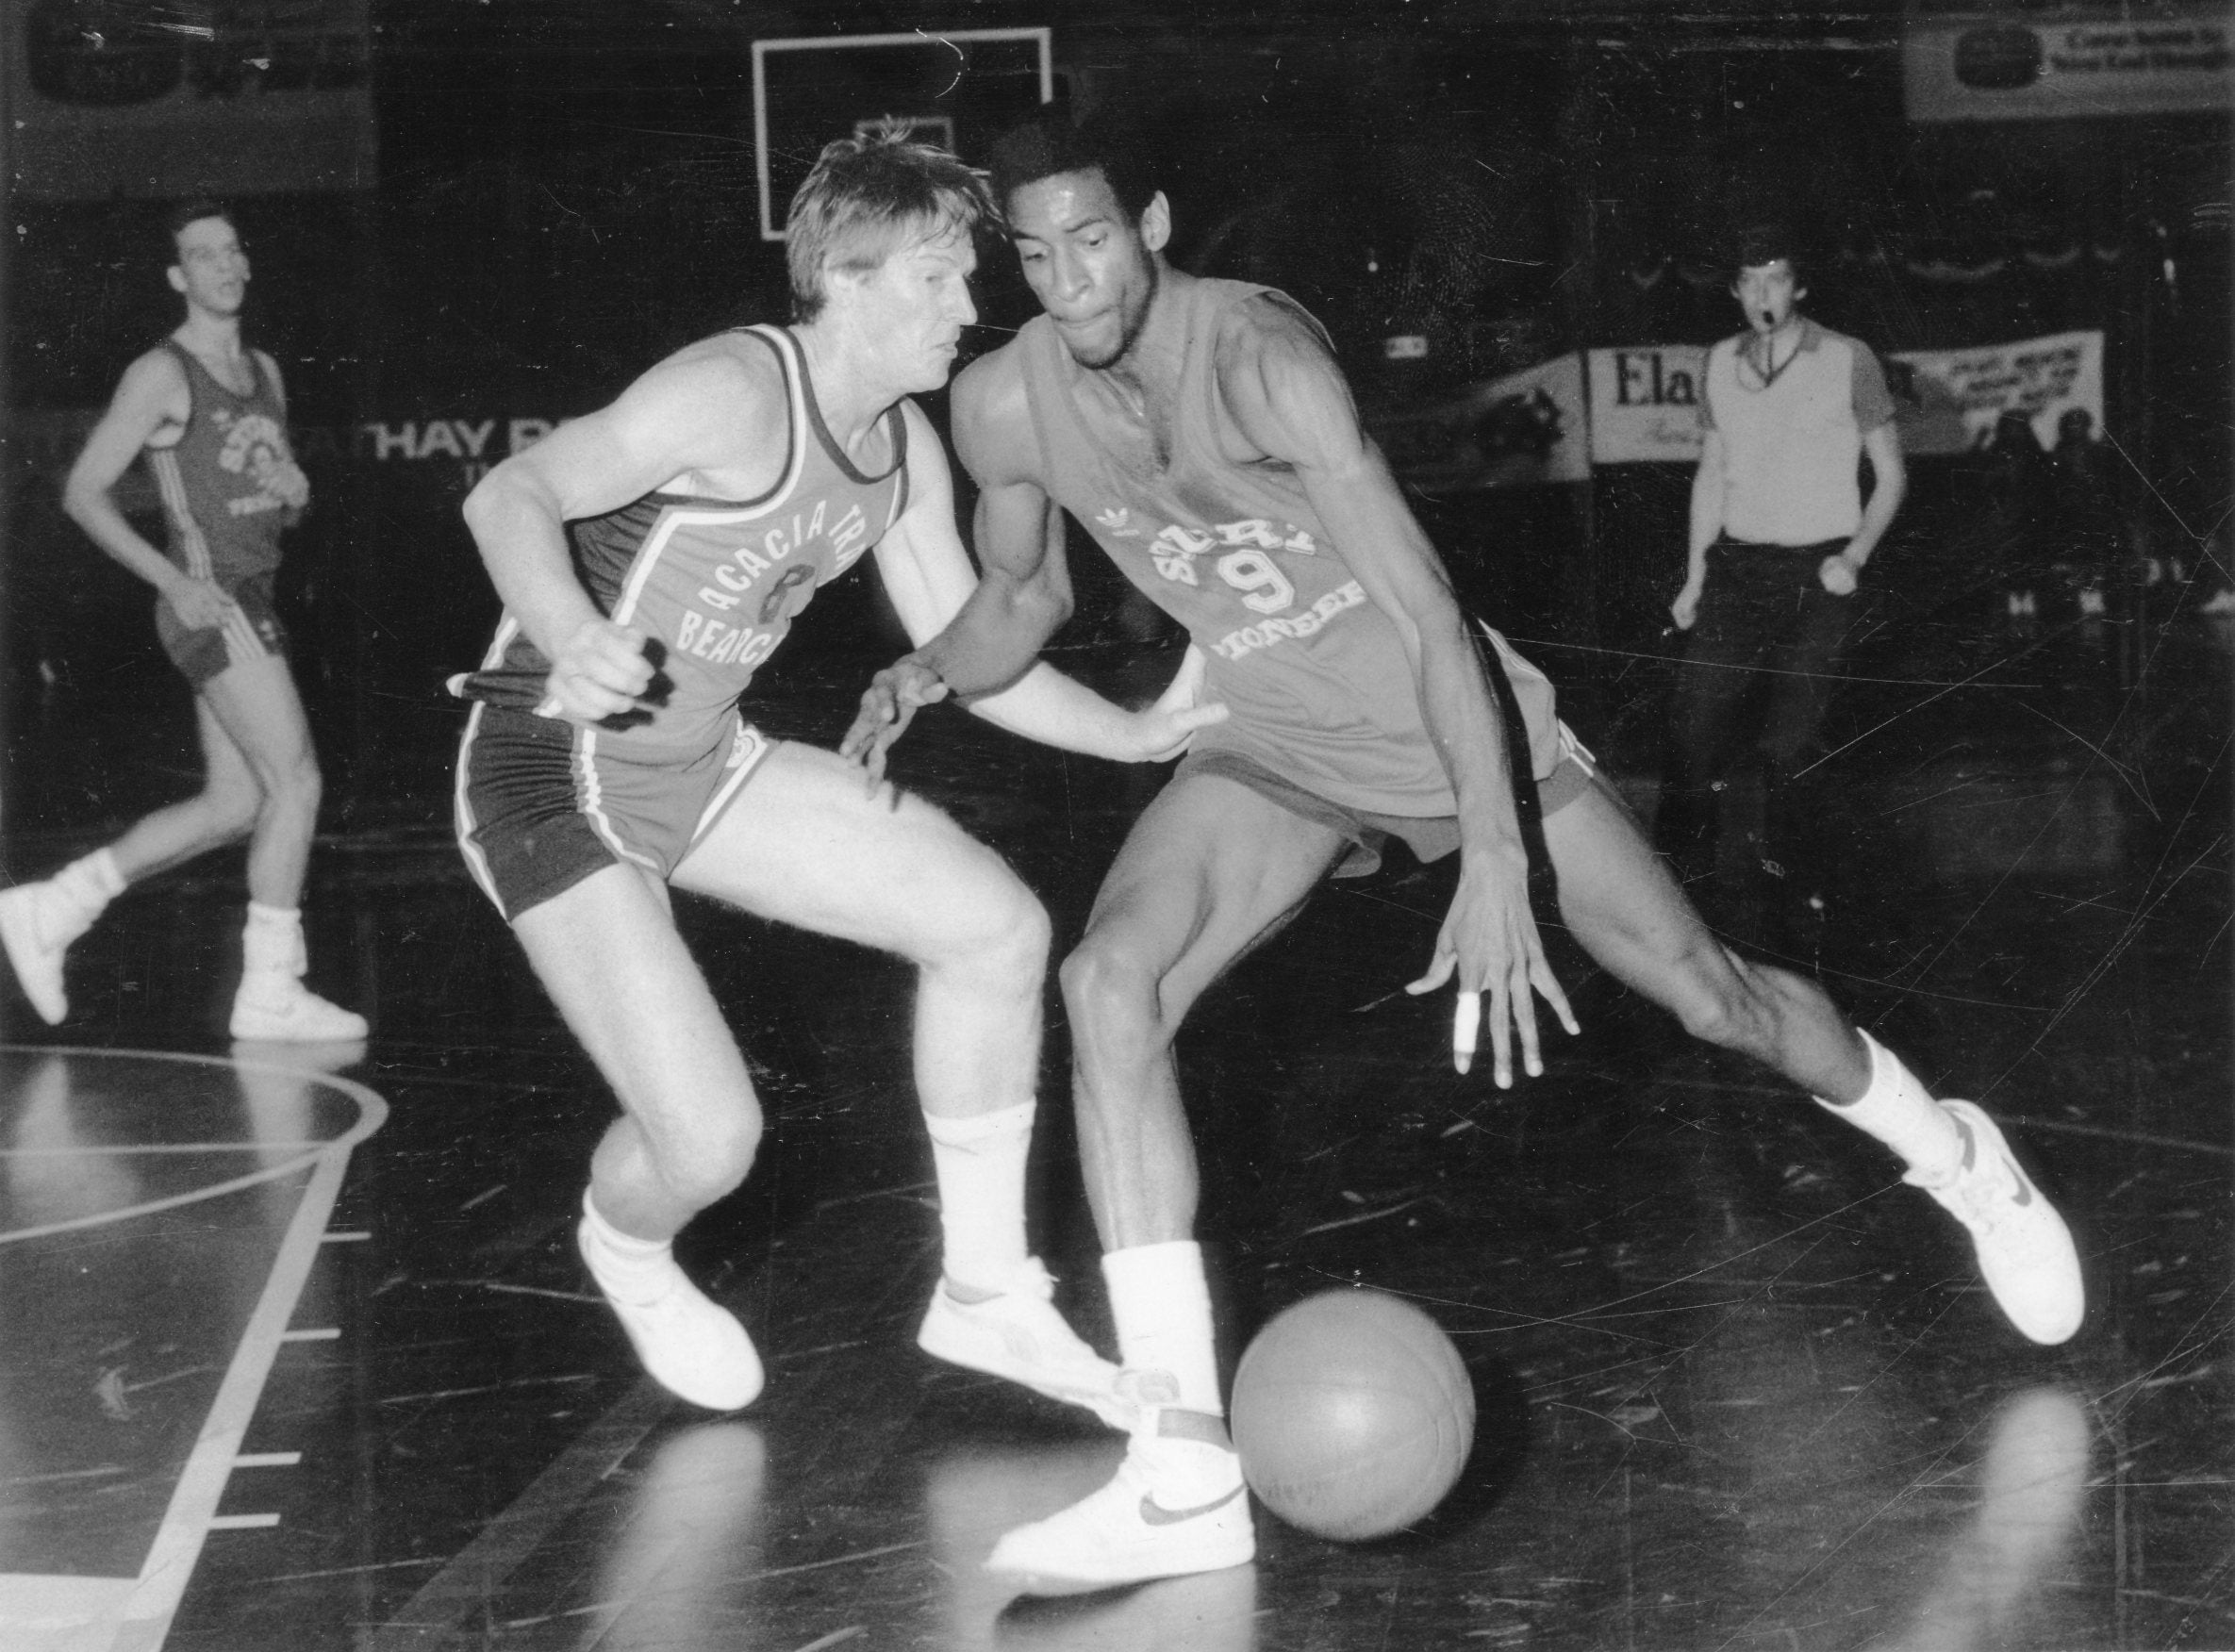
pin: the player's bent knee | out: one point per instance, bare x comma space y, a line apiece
1110, 994
1016, 930
301, 782
1713, 996
710, 1158
233, 812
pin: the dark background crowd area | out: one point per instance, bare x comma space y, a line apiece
566, 191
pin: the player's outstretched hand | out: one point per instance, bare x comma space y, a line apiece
201, 604
600, 670
887, 705
1489, 940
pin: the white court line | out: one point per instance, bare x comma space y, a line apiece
76, 1614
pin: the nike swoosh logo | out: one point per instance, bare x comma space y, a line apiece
1155, 1513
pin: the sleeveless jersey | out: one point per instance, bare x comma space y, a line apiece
1314, 674
714, 583
228, 483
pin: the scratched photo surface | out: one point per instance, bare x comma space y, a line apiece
297, 1350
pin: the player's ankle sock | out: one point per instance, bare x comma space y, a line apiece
273, 940
629, 1269
82, 891
979, 1164
1899, 1112
1162, 1304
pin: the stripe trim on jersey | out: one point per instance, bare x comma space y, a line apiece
895, 437
749, 747
462, 816
589, 794
171, 484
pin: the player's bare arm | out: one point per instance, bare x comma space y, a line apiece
152, 404
708, 419
1288, 398
1025, 594
1707, 526
928, 576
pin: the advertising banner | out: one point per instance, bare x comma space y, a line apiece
1645, 403
1526, 427
1949, 399
2173, 58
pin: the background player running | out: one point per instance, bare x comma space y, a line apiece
1202, 433
210, 415
651, 555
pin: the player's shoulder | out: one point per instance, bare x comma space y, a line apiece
1262, 339
993, 385
155, 383
157, 365
1252, 318
993, 428
734, 377
739, 359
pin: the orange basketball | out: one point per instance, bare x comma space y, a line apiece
1352, 1413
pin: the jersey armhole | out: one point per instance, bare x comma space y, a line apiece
186, 368
900, 447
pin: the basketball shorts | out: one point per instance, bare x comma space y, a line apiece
1428, 836
250, 631
541, 803
1563, 767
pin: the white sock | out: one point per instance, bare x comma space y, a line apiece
629, 1269
1162, 1303
272, 939
76, 896
93, 882
1899, 1112
980, 1165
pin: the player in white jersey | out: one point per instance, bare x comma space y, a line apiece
642, 633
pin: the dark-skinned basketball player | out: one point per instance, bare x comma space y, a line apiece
1203, 433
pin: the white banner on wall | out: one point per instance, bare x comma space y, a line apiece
1645, 403
2172, 59
1949, 399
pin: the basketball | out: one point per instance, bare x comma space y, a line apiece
1352, 1413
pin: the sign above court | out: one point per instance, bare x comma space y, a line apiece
960, 89
2176, 59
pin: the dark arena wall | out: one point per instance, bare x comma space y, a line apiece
563, 193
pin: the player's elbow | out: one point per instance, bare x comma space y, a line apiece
81, 497
493, 499
1048, 609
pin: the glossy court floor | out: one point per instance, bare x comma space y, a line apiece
298, 1356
